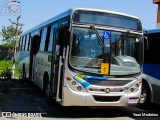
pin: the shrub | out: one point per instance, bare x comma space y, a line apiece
6, 69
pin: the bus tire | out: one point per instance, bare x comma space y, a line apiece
145, 99
24, 73
47, 89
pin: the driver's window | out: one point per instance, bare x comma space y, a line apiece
55, 25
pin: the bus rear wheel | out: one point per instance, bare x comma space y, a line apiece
47, 89
47, 94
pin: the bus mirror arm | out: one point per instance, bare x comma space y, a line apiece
64, 54
146, 43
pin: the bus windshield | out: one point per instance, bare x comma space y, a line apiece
121, 50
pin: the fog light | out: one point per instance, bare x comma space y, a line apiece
74, 83
132, 89
79, 88
137, 85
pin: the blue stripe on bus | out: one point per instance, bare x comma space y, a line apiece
97, 78
152, 70
81, 81
90, 80
22, 56
86, 84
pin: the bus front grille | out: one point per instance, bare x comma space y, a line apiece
106, 98
109, 82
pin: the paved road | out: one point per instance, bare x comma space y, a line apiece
21, 97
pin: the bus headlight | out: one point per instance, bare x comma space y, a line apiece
135, 87
79, 88
75, 85
133, 90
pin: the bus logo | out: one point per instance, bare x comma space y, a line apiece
107, 90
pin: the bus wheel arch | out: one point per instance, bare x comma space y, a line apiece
145, 97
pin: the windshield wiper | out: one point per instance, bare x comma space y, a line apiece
100, 40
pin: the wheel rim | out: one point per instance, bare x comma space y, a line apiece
143, 96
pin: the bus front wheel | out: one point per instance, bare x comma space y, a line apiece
145, 95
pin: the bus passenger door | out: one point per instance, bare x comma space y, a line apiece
57, 64
54, 58
35, 41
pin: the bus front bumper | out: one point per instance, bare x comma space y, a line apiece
75, 98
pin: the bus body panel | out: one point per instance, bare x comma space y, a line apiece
154, 87
23, 59
72, 97
69, 13
42, 66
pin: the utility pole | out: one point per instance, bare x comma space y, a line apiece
15, 46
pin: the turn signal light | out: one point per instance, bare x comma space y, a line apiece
69, 78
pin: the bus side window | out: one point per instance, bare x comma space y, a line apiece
29, 43
152, 55
43, 39
19, 46
55, 25
36, 42
24, 42
27, 40
47, 38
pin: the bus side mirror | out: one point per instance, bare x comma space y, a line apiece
146, 43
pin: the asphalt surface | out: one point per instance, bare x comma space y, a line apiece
23, 100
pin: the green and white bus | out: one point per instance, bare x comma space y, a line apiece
85, 57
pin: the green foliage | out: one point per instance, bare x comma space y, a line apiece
9, 32
6, 69
17, 72
5, 64
9, 45
6, 73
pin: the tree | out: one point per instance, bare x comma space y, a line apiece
8, 34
